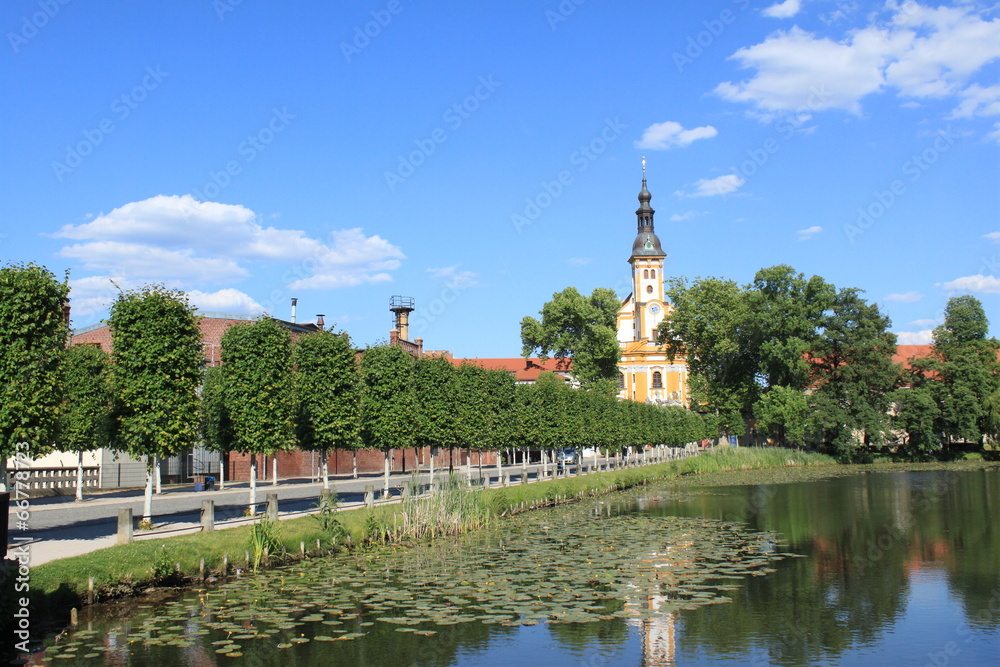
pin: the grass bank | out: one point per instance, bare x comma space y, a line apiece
127, 569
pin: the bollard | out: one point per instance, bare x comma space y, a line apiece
207, 516
74, 620
406, 491
369, 496
272, 506
125, 525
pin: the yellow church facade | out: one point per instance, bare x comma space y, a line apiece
646, 374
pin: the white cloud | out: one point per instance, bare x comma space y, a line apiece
709, 187
921, 52
686, 215
580, 261
661, 136
993, 236
227, 300
925, 337
452, 277
783, 10
809, 232
906, 297
149, 263
925, 323
978, 101
977, 283
180, 240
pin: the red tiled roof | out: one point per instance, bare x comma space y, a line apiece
523, 370
906, 353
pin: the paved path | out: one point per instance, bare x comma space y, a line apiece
59, 527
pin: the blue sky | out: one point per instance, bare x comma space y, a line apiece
480, 157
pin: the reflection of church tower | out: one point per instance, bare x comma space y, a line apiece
645, 373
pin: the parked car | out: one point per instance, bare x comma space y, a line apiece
568, 455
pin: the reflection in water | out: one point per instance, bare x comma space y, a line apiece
870, 541
898, 568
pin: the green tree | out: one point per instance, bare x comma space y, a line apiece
87, 417
967, 369
33, 333
259, 391
916, 411
435, 391
216, 426
852, 375
782, 412
388, 404
327, 390
579, 328
157, 369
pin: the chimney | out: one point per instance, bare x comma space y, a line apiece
402, 306
319, 321
295, 302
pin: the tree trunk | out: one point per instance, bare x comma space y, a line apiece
252, 507
274, 470
451, 460
431, 482
388, 466
326, 470
3, 474
158, 477
524, 465
479, 458
545, 463
222, 471
147, 503
354, 463
499, 468
79, 476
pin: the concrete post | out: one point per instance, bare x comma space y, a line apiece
272, 506
369, 496
207, 516
125, 525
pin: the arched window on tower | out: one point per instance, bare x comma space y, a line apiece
645, 273
657, 380
652, 273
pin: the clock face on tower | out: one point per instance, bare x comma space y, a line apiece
654, 309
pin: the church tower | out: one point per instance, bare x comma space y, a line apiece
645, 373
647, 269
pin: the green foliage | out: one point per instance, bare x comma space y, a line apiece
157, 369
216, 426
264, 538
782, 412
916, 412
437, 402
852, 375
33, 333
388, 403
258, 386
968, 371
86, 420
581, 328
163, 568
326, 516
327, 392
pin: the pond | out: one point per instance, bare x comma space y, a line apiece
889, 568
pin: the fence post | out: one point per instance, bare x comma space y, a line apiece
125, 525
207, 516
369, 496
272, 506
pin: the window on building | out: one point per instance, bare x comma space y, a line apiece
649, 289
652, 273
621, 381
657, 380
645, 273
